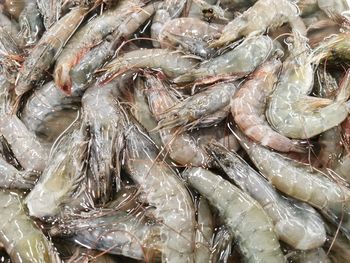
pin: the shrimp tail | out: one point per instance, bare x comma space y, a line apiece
63, 80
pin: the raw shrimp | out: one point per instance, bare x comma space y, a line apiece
248, 108
172, 63
169, 10
296, 180
15, 7
291, 111
62, 178
232, 65
256, 20
163, 190
246, 219
121, 22
47, 49
180, 146
191, 34
116, 233
192, 110
296, 223
22, 238
31, 24
103, 122
204, 231
48, 111
50, 10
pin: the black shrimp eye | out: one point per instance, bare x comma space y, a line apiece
209, 11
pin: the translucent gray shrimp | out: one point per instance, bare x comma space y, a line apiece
163, 190
296, 180
200, 106
190, 34
62, 178
103, 121
291, 111
31, 24
119, 22
172, 63
116, 233
204, 231
45, 52
180, 146
169, 10
11, 178
256, 20
50, 10
246, 219
22, 238
48, 111
296, 223
232, 65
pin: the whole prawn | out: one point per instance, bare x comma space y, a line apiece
246, 219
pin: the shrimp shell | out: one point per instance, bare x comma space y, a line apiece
246, 219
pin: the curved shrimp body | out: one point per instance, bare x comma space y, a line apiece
172, 63
181, 147
164, 191
234, 64
50, 10
10, 177
296, 223
296, 180
45, 52
117, 233
204, 231
23, 240
62, 178
248, 108
121, 21
45, 107
264, 14
291, 111
106, 139
29, 151
246, 219
31, 24
199, 106
191, 34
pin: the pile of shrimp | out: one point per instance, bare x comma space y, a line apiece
175, 131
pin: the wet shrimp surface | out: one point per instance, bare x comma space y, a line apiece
174, 131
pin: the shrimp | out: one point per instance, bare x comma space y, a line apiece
14, 7
291, 111
106, 139
121, 22
204, 231
169, 10
164, 191
63, 178
50, 10
213, 12
180, 146
31, 24
248, 108
47, 49
246, 219
172, 63
192, 110
22, 238
10, 177
191, 34
232, 65
296, 223
296, 180
48, 111
256, 20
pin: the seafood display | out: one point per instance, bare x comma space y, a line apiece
174, 131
